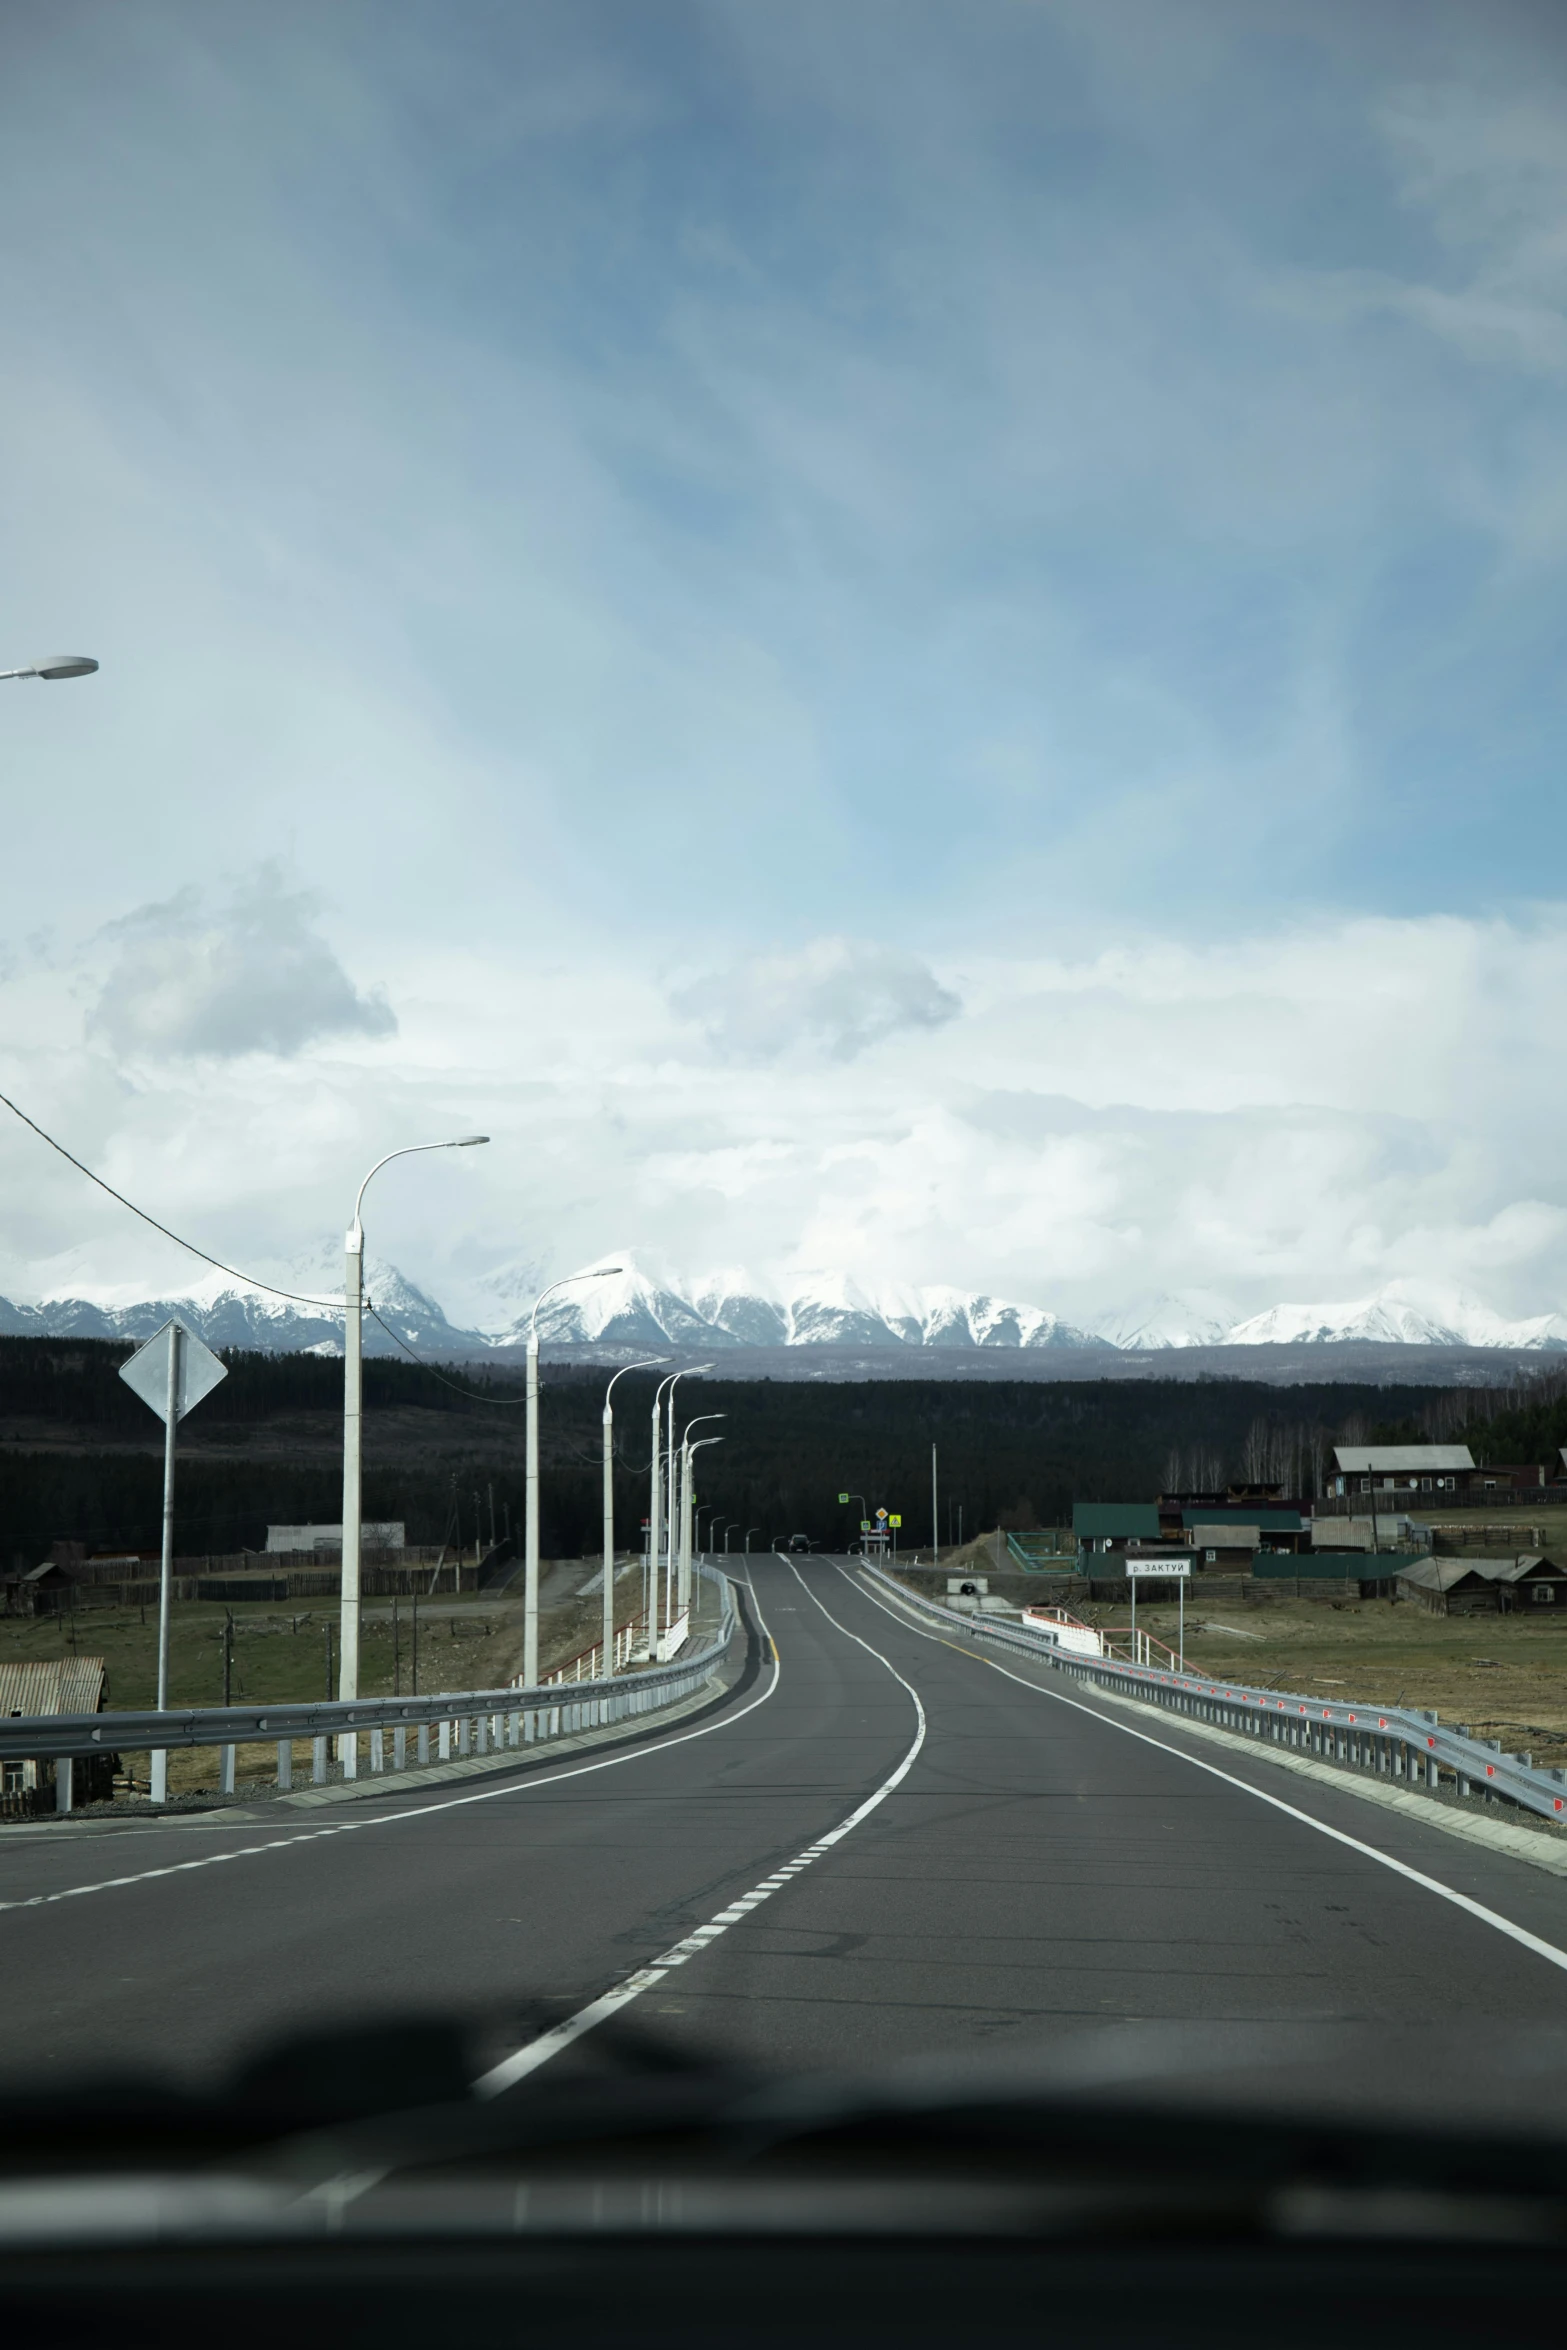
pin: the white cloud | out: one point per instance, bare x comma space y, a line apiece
248, 974
838, 995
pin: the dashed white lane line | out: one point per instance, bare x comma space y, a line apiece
523, 2061
394, 1819
1476, 1909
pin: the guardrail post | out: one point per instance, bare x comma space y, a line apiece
482, 1734
424, 1742
446, 1741
348, 1748
464, 1728
399, 1748
63, 1775
318, 1761
225, 1770
514, 1729
377, 1750
285, 1763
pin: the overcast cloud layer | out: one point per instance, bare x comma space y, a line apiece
916, 639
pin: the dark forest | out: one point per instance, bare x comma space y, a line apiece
80, 1458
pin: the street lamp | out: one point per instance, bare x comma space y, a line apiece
696, 1513
687, 1452
750, 1530
666, 1387
530, 1572
652, 1364
712, 1531
353, 1408
56, 665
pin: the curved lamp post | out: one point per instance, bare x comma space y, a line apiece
664, 1512
530, 1585
750, 1530
683, 1594
353, 1408
55, 665
652, 1364
688, 1450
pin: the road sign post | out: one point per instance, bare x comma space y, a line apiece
172, 1372
1175, 1571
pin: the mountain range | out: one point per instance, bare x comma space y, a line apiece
631, 1310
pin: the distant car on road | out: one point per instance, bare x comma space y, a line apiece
801, 1542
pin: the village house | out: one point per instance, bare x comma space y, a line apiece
1529, 1586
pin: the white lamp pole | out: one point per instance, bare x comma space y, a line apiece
353, 1405
687, 1450
672, 1509
530, 1586
683, 1598
655, 1517
750, 1530
652, 1364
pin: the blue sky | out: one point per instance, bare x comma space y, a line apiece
647, 506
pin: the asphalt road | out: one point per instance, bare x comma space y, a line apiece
1039, 1869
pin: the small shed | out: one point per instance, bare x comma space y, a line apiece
40, 1686
1529, 1585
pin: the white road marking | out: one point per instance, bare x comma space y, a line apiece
523, 2061
1476, 1909
393, 1819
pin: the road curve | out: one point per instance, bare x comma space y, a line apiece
1037, 1870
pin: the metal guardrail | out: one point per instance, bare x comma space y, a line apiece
1390, 1741
531, 1714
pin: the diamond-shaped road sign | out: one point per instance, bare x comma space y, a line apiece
198, 1373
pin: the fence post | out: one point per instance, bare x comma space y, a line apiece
285, 1763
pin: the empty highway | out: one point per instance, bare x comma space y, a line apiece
877, 1844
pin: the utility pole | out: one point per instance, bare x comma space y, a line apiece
935, 1522
530, 1572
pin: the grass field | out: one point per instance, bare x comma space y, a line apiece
466, 1643
1504, 1676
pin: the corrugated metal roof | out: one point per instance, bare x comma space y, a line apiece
1229, 1534
1446, 1573
53, 1685
1269, 1521
1095, 1519
1391, 1460
1325, 1566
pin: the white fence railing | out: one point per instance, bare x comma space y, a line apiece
464, 1722
1390, 1741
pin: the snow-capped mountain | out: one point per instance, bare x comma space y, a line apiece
1403, 1313
226, 1312
626, 1307
1181, 1318
633, 1307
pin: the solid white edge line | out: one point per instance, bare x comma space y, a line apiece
415, 1809
1400, 1868
537, 2053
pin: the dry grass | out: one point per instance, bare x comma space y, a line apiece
1505, 1676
